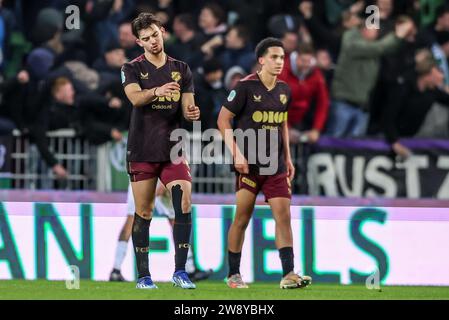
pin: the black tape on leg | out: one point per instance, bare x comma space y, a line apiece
180, 217
141, 243
181, 229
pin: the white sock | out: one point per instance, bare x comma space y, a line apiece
190, 263
120, 254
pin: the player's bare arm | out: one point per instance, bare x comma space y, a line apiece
140, 97
224, 125
287, 155
190, 110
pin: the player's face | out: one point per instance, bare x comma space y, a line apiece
273, 60
151, 39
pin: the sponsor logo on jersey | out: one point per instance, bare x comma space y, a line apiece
144, 76
175, 97
257, 98
161, 106
269, 117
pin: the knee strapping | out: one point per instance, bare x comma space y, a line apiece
140, 223
180, 217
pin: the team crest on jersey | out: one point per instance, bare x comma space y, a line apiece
144, 76
257, 98
283, 98
176, 75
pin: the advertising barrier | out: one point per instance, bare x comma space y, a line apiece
342, 244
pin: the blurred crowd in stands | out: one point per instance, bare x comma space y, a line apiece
347, 78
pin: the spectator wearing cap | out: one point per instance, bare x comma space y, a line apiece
307, 86
43, 58
279, 24
355, 77
108, 66
40, 61
238, 50
187, 41
410, 100
233, 76
209, 92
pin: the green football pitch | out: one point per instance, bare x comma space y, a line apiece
210, 290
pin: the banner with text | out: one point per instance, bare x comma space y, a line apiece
408, 246
368, 168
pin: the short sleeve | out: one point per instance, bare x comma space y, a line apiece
236, 99
187, 80
289, 98
128, 75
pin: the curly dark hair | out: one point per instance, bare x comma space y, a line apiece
262, 46
144, 21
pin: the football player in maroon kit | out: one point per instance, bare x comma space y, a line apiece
259, 103
160, 89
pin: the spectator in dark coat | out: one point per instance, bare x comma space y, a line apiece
187, 41
128, 41
209, 92
61, 112
238, 50
109, 66
410, 100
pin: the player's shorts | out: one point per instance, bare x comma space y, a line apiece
165, 171
274, 186
162, 204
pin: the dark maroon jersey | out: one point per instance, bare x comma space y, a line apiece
151, 125
256, 107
